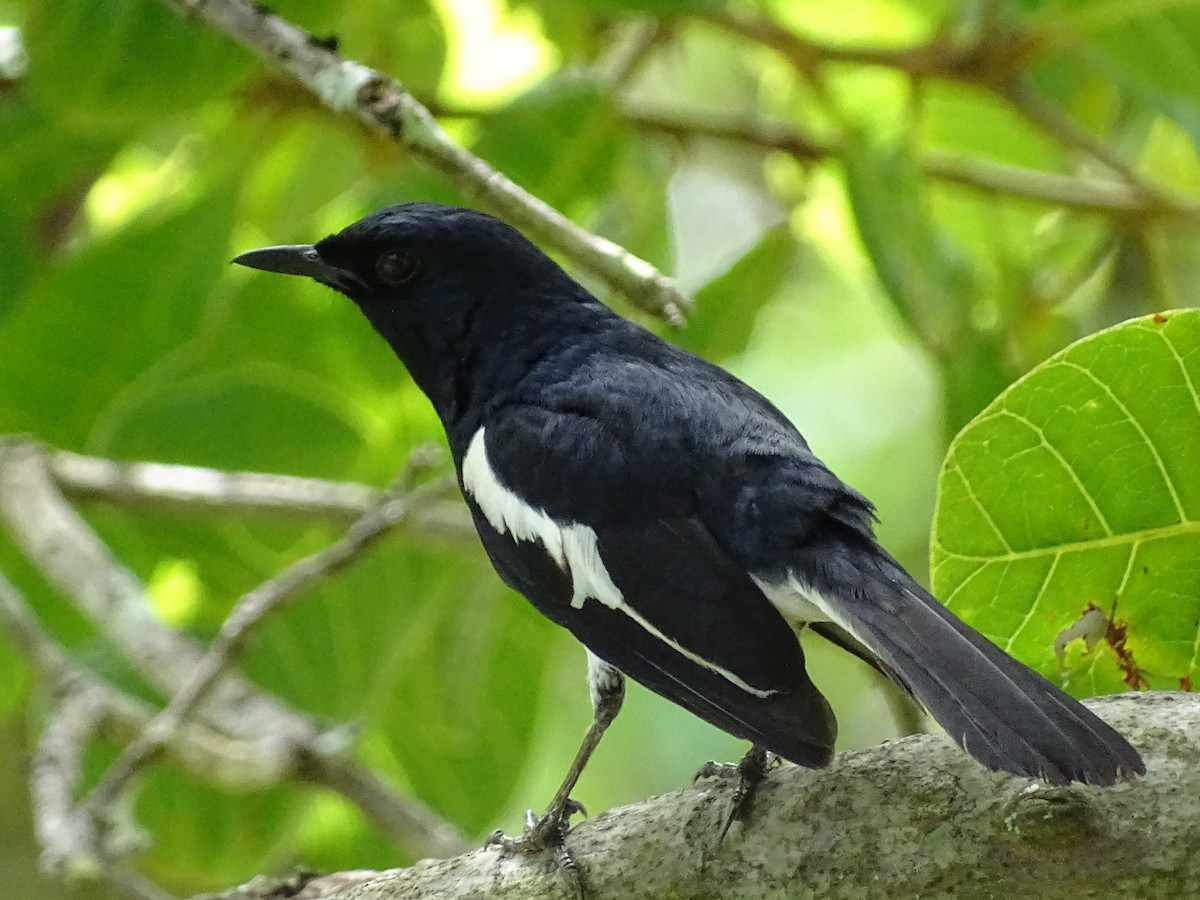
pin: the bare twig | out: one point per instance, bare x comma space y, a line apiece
163, 487
1076, 192
134, 885
1066, 130
386, 107
75, 560
249, 611
173, 486
207, 754
54, 776
257, 737
991, 57
991, 54
629, 51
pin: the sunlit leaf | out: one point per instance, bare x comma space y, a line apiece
1076, 489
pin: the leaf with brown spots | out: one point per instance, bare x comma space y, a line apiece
1079, 487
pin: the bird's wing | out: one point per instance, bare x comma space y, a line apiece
594, 520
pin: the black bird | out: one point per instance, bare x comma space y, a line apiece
667, 514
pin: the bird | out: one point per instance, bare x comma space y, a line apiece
668, 515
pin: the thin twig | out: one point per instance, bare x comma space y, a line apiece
1066, 130
992, 57
991, 54
54, 773
175, 486
629, 51
134, 885
249, 611
386, 107
1076, 192
233, 764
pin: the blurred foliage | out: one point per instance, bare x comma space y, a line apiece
879, 305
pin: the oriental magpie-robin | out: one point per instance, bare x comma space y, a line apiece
667, 514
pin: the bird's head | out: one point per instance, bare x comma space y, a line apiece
438, 283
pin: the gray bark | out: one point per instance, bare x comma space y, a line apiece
913, 818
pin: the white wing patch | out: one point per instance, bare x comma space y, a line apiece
800, 603
573, 546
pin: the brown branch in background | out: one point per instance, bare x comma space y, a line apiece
1080, 192
1025, 98
78, 563
386, 107
990, 57
633, 45
54, 773
1076, 192
947, 56
210, 755
172, 486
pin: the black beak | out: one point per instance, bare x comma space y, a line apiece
296, 259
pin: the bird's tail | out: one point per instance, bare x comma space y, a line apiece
1001, 712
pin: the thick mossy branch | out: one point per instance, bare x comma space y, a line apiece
914, 818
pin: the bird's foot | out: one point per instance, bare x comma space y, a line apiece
749, 773
546, 835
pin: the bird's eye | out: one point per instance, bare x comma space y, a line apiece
397, 266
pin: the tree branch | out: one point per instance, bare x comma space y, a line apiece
78, 563
991, 56
243, 619
1077, 192
207, 754
250, 734
162, 487
912, 818
386, 107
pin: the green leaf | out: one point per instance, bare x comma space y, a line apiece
1078, 489
573, 159
108, 65
92, 326
727, 307
924, 273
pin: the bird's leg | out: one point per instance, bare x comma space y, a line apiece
750, 772
549, 832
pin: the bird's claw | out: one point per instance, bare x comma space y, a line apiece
750, 772
546, 835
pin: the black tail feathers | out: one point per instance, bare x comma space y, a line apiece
1000, 711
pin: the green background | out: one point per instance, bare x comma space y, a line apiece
882, 308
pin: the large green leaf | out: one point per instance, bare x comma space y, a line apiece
1078, 489
106, 316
